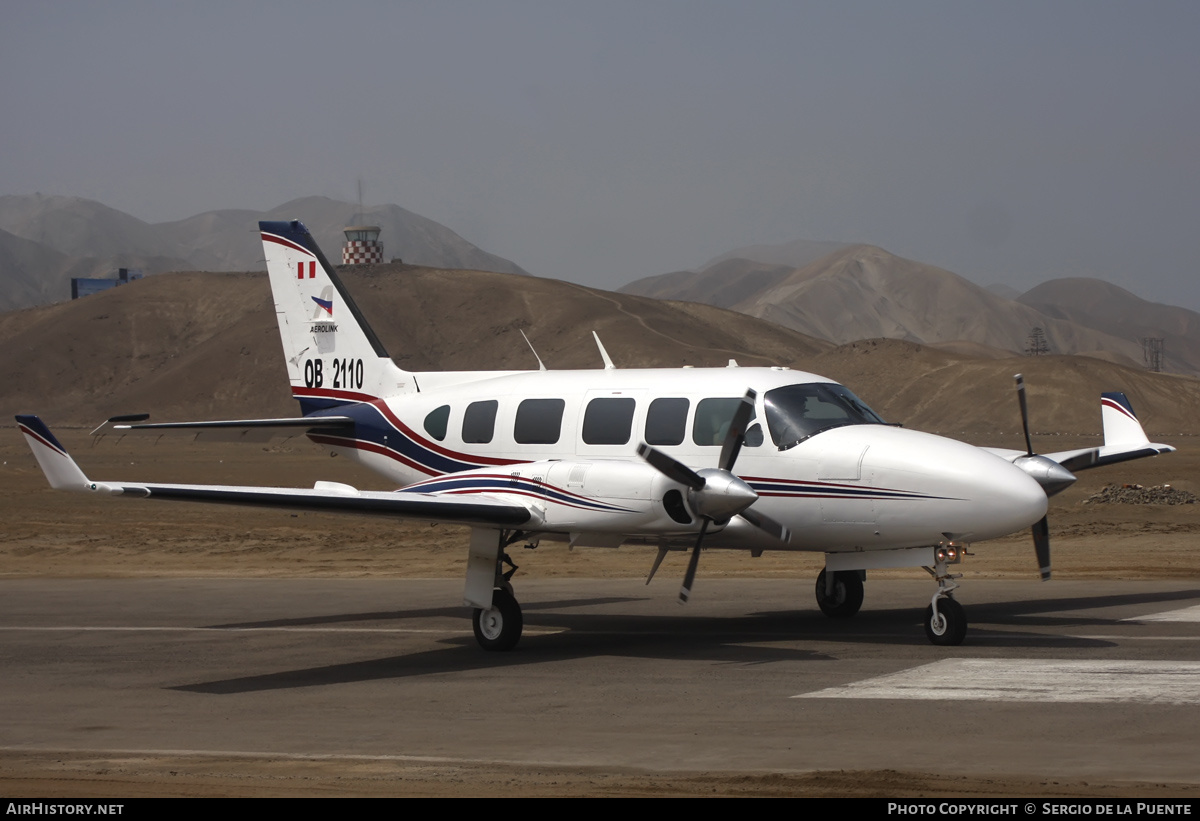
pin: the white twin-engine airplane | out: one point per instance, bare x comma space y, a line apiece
612, 456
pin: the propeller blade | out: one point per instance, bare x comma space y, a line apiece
674, 470
693, 563
767, 525
1024, 413
1041, 546
736, 435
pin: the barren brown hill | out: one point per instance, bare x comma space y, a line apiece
864, 292
974, 398
794, 254
196, 345
724, 284
202, 345
1113, 310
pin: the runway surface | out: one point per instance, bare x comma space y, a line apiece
1073, 680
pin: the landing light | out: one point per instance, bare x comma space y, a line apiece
950, 554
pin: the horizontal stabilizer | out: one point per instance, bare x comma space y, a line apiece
1124, 439
243, 430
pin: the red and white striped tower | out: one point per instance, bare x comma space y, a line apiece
362, 245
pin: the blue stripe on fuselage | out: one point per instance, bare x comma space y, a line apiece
370, 425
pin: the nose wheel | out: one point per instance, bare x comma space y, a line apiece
945, 622
945, 619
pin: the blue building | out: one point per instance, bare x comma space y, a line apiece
83, 286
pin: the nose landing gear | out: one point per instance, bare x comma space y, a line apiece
945, 619
839, 586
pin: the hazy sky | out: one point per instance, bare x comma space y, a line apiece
605, 141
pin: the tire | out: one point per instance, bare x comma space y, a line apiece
951, 626
847, 595
499, 627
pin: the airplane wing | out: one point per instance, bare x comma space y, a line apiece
64, 474
1124, 439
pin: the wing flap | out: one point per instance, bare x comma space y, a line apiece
423, 506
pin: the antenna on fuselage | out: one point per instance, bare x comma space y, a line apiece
541, 367
608, 363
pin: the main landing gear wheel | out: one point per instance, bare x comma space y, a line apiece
948, 627
498, 627
847, 595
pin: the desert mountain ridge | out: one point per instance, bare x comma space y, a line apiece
46, 240
864, 292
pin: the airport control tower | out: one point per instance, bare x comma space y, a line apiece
362, 245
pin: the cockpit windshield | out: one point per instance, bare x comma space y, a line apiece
796, 412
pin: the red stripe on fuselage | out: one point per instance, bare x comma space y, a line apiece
332, 393
423, 442
371, 447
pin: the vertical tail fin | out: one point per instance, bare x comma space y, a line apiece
61, 471
1121, 425
333, 356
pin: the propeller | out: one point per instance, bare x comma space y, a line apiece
716, 494
1052, 476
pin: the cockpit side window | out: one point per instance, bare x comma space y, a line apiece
754, 436
796, 412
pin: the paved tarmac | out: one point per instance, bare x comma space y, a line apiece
1077, 680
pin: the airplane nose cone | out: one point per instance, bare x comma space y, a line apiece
967, 492
1005, 498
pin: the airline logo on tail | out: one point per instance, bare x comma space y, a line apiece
325, 305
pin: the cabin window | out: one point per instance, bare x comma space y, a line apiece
436, 422
479, 422
608, 421
713, 417
666, 421
539, 421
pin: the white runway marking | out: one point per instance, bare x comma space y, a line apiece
1186, 614
1048, 680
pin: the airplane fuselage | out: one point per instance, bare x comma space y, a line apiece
568, 440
